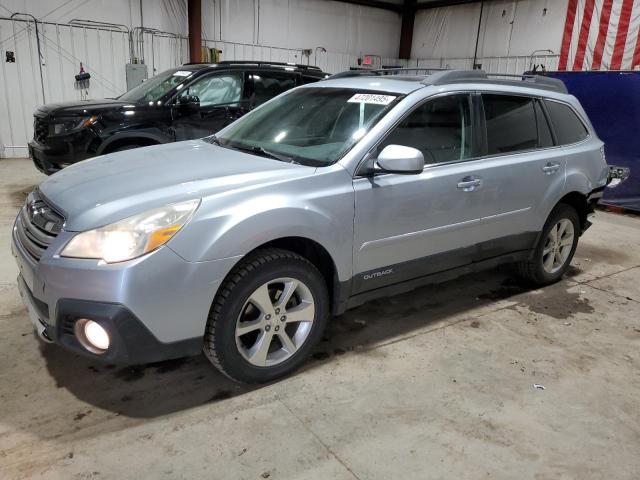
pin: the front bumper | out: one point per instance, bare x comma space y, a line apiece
60, 152
154, 307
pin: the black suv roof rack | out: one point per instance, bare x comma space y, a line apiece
435, 76
269, 64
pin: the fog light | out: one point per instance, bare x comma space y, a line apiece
92, 335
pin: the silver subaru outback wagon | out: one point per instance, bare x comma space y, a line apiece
243, 244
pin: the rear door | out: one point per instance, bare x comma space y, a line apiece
264, 85
408, 226
524, 173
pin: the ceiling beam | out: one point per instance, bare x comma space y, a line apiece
443, 3
394, 7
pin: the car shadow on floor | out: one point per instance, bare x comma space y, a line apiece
148, 391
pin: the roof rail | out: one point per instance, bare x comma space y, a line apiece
439, 76
384, 71
457, 76
261, 63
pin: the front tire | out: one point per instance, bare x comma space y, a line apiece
267, 316
556, 246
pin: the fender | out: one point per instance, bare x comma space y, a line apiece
238, 235
319, 207
132, 134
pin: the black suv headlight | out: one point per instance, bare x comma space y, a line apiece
62, 125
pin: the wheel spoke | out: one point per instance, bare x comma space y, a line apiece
258, 352
547, 251
548, 262
245, 327
301, 313
562, 226
567, 241
262, 301
287, 292
554, 233
557, 259
287, 342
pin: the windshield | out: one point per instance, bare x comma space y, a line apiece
156, 87
313, 126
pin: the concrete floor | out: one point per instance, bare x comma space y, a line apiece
433, 384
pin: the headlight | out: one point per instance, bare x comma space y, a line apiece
65, 126
133, 236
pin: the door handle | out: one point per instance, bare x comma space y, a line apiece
469, 184
551, 168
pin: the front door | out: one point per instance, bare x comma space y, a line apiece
407, 226
220, 102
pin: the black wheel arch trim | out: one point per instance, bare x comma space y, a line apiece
130, 137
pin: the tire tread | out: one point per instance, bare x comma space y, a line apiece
253, 262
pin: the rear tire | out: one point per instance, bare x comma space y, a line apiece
267, 316
555, 248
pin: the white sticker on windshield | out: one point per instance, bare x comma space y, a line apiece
373, 98
182, 73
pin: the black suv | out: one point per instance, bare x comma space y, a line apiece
192, 101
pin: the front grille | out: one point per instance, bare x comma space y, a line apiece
40, 129
38, 225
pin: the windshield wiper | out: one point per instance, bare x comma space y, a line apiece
265, 153
212, 139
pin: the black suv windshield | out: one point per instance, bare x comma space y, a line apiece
312, 126
156, 87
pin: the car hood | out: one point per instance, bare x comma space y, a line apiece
106, 189
82, 107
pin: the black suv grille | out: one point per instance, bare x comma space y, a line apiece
40, 129
38, 225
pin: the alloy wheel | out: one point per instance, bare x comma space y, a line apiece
275, 321
558, 245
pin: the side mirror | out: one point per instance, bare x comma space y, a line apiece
400, 159
189, 103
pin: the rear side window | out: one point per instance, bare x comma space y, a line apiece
267, 85
511, 123
567, 125
544, 132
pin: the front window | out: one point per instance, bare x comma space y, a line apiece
217, 89
156, 87
313, 126
439, 128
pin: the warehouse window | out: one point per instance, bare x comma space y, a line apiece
567, 125
440, 129
511, 123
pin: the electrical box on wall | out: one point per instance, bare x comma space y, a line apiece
136, 73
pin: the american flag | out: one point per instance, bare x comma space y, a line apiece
601, 35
